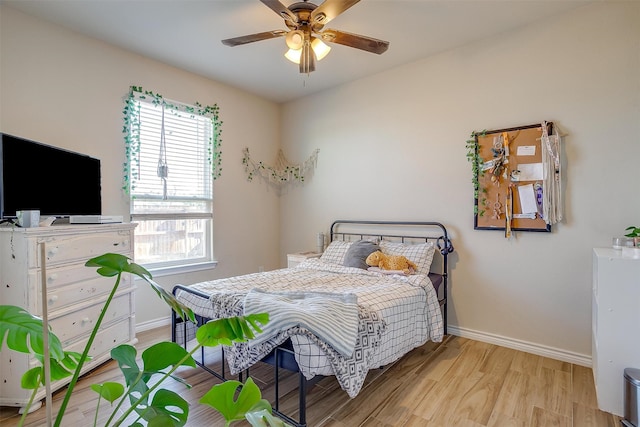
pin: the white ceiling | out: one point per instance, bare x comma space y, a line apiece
187, 34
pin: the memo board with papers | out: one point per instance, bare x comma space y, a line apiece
510, 179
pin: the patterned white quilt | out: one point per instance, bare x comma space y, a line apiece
396, 314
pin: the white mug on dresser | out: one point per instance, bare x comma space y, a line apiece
28, 219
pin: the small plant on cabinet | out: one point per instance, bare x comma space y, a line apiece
633, 232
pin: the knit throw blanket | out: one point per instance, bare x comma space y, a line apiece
331, 317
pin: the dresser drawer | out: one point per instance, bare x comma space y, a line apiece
108, 338
77, 283
73, 325
82, 247
69, 285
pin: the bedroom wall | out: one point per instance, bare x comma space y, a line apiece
392, 146
67, 90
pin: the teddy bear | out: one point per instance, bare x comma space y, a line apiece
390, 262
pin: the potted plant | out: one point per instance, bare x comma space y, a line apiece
635, 233
147, 402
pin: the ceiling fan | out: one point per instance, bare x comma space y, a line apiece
306, 35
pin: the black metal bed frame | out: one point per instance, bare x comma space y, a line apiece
283, 356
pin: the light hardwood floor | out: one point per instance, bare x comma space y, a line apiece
459, 382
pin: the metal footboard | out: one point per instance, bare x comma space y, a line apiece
282, 357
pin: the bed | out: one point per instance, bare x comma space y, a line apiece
332, 316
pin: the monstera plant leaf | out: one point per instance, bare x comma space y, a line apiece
24, 333
110, 265
221, 397
227, 330
109, 391
167, 408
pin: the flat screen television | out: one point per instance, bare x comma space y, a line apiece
55, 181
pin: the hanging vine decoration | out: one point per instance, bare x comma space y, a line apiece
131, 131
476, 161
282, 172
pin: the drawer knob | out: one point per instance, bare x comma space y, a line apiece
52, 278
52, 251
53, 298
85, 321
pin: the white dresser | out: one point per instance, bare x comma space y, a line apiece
615, 324
50, 261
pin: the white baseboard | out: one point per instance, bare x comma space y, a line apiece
528, 347
153, 324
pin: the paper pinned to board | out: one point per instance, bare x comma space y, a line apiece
526, 150
527, 199
530, 171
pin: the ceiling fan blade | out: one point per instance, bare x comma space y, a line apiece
236, 41
329, 10
281, 10
354, 40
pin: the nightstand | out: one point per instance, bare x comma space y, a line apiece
297, 258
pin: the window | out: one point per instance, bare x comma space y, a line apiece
172, 160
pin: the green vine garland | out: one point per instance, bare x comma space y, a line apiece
282, 172
131, 131
476, 161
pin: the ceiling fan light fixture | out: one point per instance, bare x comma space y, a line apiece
293, 55
320, 48
295, 39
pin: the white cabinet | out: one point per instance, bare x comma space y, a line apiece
297, 258
615, 324
50, 261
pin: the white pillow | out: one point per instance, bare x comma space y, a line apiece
335, 252
421, 254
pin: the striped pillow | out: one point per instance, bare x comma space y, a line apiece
335, 252
421, 254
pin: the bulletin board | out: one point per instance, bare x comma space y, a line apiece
510, 179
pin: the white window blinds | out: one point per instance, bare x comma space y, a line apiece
187, 154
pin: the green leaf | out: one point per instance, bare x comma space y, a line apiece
165, 354
182, 310
31, 379
59, 369
125, 355
262, 417
24, 332
65, 367
109, 391
227, 330
167, 408
111, 264
221, 398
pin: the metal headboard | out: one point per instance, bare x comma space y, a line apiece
403, 231
416, 230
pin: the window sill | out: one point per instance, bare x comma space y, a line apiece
181, 269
